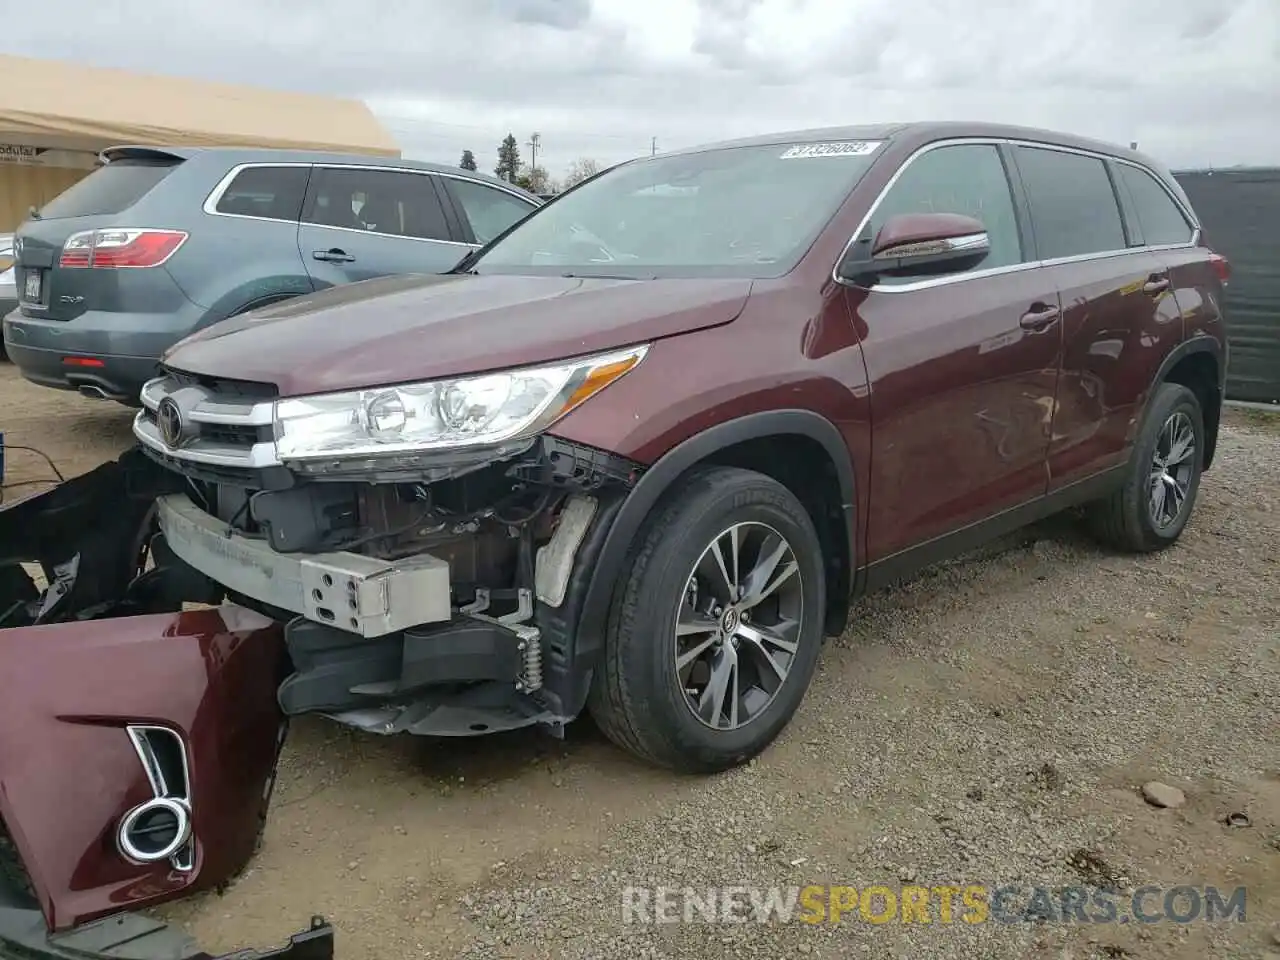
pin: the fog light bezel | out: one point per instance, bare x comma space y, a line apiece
132, 852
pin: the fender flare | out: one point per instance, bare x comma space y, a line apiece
1200, 343
588, 637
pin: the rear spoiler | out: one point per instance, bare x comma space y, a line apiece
139, 152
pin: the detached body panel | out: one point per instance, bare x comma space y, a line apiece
70, 772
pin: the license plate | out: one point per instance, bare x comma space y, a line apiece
31, 288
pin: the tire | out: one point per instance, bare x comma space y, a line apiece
1127, 520
638, 694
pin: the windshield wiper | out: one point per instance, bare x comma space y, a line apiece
602, 276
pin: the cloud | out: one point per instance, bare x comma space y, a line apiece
1194, 81
561, 14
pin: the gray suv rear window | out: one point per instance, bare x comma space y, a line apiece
109, 189
272, 192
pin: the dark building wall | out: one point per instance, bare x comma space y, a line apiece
1240, 212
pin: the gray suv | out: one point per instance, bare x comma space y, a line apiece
159, 242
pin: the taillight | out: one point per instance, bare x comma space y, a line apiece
1221, 266
113, 249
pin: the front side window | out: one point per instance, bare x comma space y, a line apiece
749, 211
967, 179
1073, 205
488, 209
1159, 218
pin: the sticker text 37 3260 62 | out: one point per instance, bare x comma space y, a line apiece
840, 148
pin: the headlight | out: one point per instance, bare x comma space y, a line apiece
485, 410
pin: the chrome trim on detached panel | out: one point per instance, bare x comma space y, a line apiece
1015, 267
176, 796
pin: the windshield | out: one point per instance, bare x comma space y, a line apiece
735, 212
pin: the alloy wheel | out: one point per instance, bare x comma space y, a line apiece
1172, 470
738, 625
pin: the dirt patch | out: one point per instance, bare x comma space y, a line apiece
991, 722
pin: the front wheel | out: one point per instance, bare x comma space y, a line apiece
1151, 510
716, 625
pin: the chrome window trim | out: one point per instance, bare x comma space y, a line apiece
211, 201
1014, 267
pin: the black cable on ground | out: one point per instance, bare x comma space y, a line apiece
27, 483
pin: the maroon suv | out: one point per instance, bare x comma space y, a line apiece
637, 454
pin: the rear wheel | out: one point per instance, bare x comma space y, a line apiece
716, 625
1152, 508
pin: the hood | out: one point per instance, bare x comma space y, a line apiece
405, 328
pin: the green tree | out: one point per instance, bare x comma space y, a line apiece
534, 179
468, 161
508, 167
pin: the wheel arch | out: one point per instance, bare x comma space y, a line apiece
1197, 364
739, 442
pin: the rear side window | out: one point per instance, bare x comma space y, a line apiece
1160, 219
271, 192
390, 202
1073, 205
110, 189
968, 179
488, 209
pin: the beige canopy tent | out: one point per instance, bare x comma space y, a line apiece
55, 117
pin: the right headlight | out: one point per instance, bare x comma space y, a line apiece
480, 411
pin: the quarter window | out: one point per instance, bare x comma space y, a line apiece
1073, 205
1161, 220
390, 202
967, 179
271, 192
488, 209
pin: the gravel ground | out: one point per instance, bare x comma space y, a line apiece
991, 722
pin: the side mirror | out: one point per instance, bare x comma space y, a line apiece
918, 245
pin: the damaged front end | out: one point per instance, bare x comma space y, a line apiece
436, 599
138, 741
434, 593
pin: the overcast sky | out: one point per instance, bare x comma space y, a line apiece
1194, 81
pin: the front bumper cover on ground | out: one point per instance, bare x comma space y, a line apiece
130, 936
104, 651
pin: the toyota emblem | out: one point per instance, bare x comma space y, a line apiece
169, 422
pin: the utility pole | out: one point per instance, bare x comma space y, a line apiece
653, 147
534, 140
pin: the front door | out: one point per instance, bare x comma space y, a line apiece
963, 368
364, 222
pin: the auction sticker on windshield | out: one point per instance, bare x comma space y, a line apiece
842, 148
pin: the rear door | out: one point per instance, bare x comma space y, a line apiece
1164, 224
486, 211
365, 222
55, 287
1119, 316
